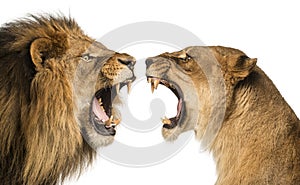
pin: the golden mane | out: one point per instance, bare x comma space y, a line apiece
40, 141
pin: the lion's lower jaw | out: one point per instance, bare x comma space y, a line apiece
97, 143
94, 139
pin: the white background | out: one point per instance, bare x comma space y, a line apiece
268, 31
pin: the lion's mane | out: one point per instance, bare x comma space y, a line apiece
40, 141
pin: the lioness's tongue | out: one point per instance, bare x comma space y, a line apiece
179, 107
98, 111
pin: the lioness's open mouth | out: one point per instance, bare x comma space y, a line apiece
102, 117
169, 123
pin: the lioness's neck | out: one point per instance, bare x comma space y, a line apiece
260, 123
256, 99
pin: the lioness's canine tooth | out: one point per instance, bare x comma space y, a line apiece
152, 87
149, 80
156, 82
129, 87
165, 120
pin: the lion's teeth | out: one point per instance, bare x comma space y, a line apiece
102, 108
129, 87
118, 88
149, 80
100, 101
165, 120
111, 122
108, 122
115, 122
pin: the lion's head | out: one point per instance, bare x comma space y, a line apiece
202, 78
57, 88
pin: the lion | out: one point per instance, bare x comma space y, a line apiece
57, 88
235, 111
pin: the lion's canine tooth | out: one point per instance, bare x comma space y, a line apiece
100, 101
129, 87
118, 88
165, 120
109, 121
116, 122
149, 80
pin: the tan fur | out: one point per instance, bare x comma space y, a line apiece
259, 139
40, 138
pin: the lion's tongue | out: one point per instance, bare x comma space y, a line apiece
98, 111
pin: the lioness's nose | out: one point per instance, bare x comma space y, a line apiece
128, 62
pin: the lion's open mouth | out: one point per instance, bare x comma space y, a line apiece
169, 123
102, 117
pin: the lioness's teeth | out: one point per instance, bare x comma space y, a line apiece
156, 82
165, 120
118, 88
129, 87
149, 80
152, 87
100, 101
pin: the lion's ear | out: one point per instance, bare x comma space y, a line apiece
242, 66
44, 48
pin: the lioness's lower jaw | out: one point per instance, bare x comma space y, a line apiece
172, 127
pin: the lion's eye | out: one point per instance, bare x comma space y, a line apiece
86, 58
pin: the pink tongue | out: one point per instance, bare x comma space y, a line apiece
98, 111
179, 106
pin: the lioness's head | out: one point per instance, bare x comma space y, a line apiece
202, 78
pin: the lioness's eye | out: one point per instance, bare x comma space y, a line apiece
86, 58
187, 58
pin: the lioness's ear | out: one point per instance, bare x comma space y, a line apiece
44, 48
242, 66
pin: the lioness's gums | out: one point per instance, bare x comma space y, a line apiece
258, 140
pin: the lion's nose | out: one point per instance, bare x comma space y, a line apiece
149, 61
128, 62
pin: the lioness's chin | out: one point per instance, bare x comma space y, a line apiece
171, 134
